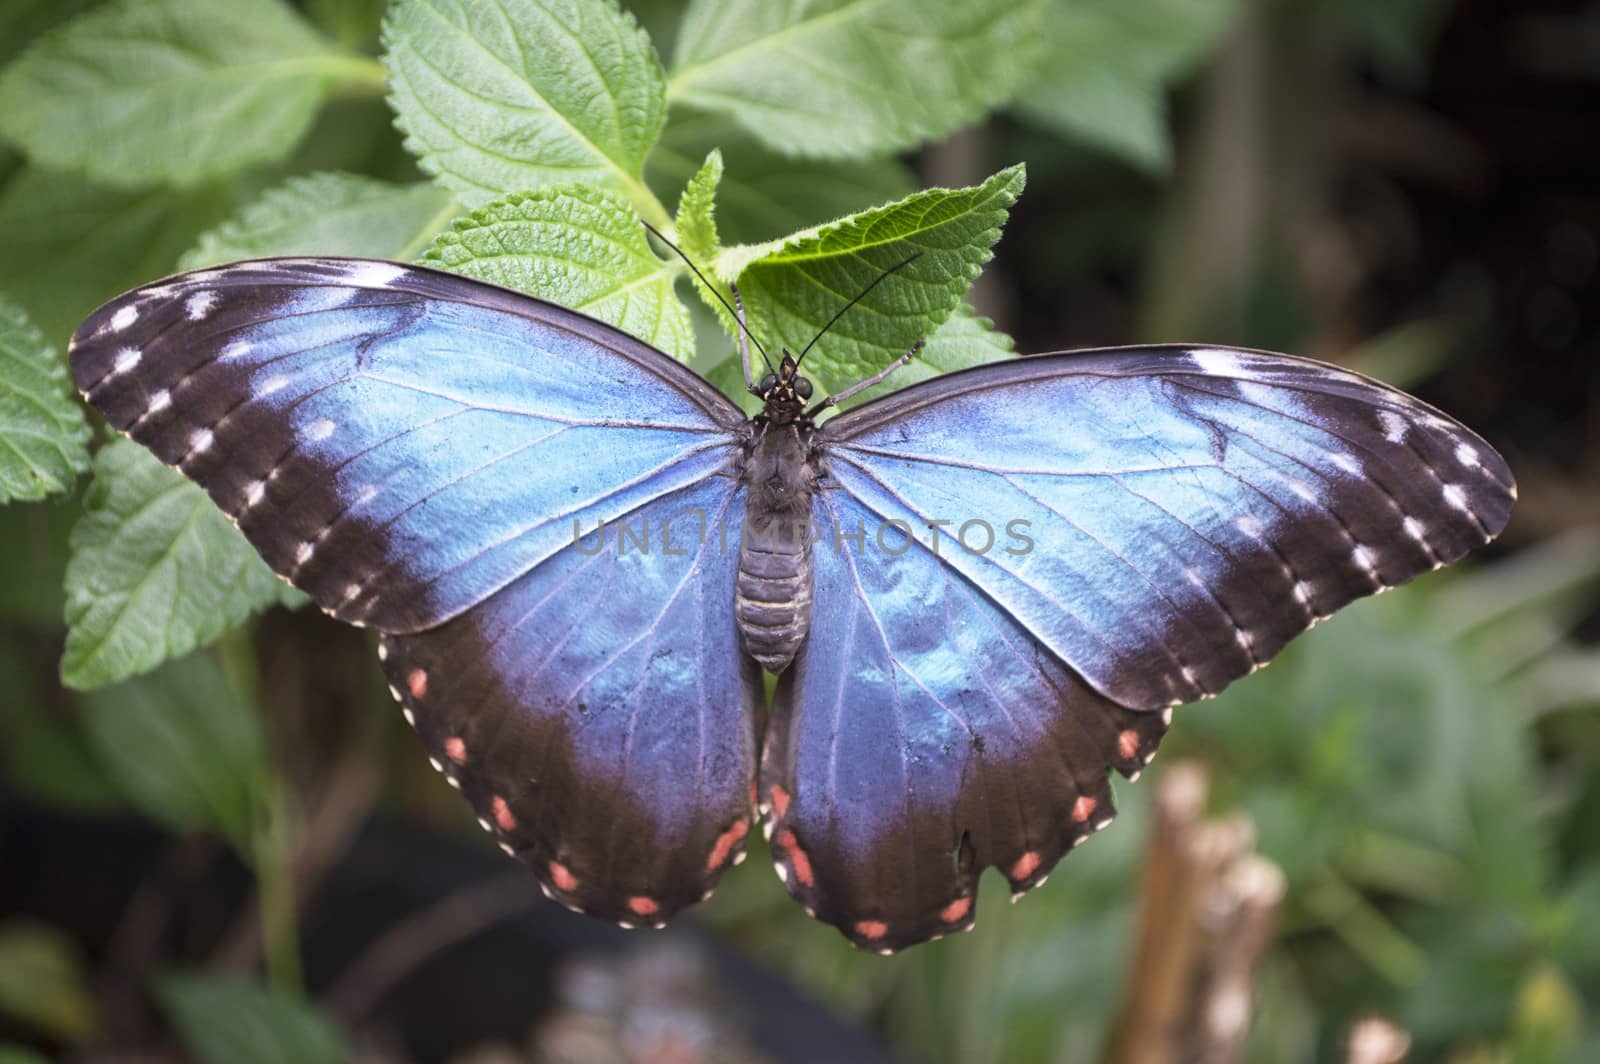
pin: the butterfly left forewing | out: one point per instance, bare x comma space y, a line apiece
397, 441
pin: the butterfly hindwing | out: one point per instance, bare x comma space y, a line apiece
598, 712
925, 736
397, 441
1190, 510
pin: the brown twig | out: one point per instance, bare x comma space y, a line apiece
408, 944
1206, 911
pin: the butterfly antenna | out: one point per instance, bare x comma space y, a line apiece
875, 282
738, 315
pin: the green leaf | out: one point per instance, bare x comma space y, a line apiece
23, 20
763, 195
43, 435
330, 214
1103, 76
696, 221
184, 748
792, 287
42, 982
175, 91
499, 98
578, 246
229, 1021
964, 340
156, 570
852, 78
70, 245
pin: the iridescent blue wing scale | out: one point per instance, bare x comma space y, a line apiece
1187, 512
416, 450
397, 441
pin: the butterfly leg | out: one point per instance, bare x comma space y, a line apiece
863, 385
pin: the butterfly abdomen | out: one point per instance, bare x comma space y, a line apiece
772, 599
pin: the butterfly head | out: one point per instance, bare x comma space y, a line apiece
784, 393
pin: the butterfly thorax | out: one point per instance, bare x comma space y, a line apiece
772, 598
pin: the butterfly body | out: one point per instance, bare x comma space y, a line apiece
981, 592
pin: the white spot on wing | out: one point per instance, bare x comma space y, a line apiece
303, 555
1345, 462
1303, 490
1249, 526
367, 493
254, 492
275, 383
124, 317
320, 429
1218, 362
199, 305
1455, 496
1468, 456
127, 358
1414, 529
200, 440
236, 349
1363, 559
159, 401
374, 274
1394, 426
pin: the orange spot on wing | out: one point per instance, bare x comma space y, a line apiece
456, 749
956, 910
1026, 865
871, 929
725, 844
797, 858
502, 814
780, 801
1083, 807
1127, 744
417, 683
640, 904
563, 878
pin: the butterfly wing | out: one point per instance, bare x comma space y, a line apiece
598, 712
418, 451
923, 735
1184, 513
397, 441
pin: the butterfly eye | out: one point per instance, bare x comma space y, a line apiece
802, 387
769, 382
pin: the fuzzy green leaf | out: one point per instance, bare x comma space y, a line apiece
70, 245
498, 97
763, 195
578, 246
330, 214
42, 981
697, 208
156, 570
1103, 76
184, 748
792, 287
228, 1021
175, 91
43, 435
852, 78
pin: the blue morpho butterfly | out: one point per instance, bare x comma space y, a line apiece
576, 553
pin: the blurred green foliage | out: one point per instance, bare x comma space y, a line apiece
1399, 764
